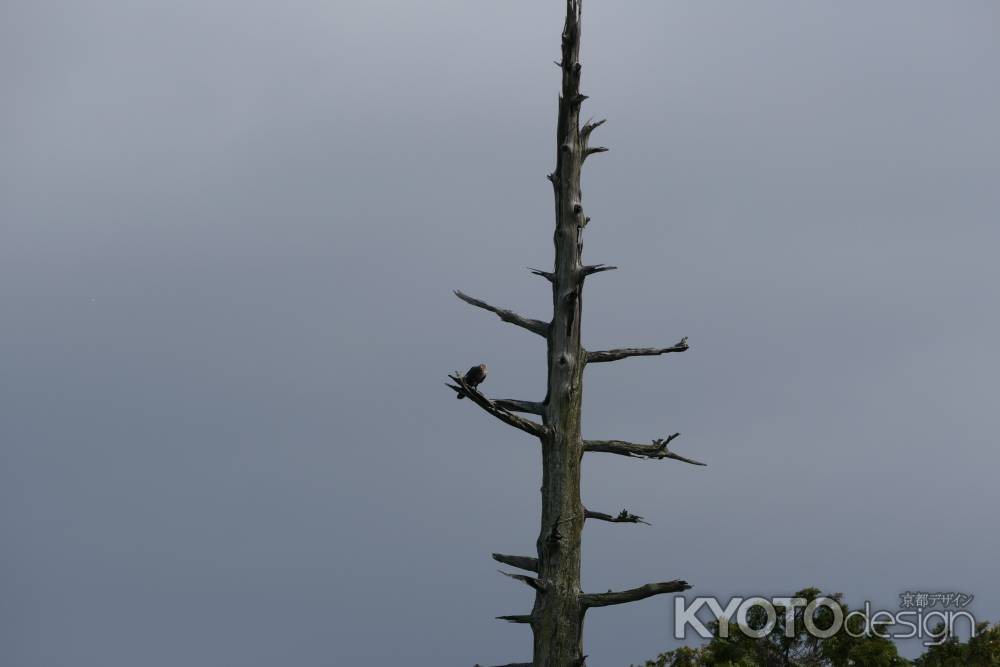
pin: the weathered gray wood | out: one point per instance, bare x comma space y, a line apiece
558, 611
537, 584
621, 597
557, 616
514, 405
534, 326
587, 152
516, 618
657, 450
548, 275
622, 517
597, 268
523, 562
464, 388
615, 355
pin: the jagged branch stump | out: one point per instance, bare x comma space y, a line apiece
658, 450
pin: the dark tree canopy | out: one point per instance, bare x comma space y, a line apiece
841, 650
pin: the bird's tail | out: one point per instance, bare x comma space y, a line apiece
460, 395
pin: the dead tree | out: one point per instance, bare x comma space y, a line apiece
558, 613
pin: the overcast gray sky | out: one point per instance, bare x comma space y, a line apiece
229, 232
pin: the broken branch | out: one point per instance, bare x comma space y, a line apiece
597, 268
548, 275
516, 618
534, 326
621, 597
615, 355
531, 581
589, 127
657, 450
514, 405
523, 562
507, 417
622, 517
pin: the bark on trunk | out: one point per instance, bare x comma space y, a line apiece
558, 611
557, 617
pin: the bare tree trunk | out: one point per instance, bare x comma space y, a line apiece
557, 617
558, 612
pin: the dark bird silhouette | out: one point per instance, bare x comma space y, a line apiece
474, 377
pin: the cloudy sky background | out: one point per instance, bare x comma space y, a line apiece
229, 232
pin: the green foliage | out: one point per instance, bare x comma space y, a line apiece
983, 650
841, 650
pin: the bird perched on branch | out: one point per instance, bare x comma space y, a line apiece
474, 377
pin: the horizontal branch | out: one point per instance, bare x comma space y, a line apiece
511, 664
523, 562
531, 581
622, 517
622, 597
548, 275
596, 149
514, 405
597, 268
507, 417
516, 618
615, 355
657, 450
534, 326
